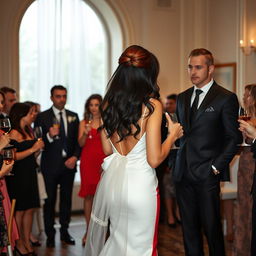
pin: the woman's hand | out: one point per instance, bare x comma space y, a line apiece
247, 129
38, 145
174, 128
4, 141
6, 168
87, 128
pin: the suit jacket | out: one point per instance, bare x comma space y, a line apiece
52, 159
213, 136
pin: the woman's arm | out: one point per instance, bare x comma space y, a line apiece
106, 145
82, 136
157, 152
6, 168
15, 135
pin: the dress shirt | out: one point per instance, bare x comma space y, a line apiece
204, 90
57, 115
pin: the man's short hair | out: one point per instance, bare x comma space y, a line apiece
172, 97
204, 52
57, 87
6, 89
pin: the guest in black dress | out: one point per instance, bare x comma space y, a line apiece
23, 184
250, 131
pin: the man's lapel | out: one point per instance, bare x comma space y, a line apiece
51, 117
187, 107
68, 114
211, 94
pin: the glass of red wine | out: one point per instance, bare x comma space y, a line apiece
243, 115
8, 157
5, 125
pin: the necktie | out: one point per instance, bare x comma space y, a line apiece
195, 105
63, 134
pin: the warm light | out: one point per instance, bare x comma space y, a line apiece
247, 48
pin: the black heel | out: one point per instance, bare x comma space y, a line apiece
18, 253
32, 253
35, 243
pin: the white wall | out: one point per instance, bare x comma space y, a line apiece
169, 32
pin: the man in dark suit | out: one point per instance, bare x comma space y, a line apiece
208, 114
58, 162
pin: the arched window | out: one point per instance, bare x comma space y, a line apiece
63, 42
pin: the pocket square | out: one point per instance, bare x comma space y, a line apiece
210, 109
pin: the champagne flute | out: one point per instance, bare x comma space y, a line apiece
243, 115
89, 124
56, 124
38, 133
8, 157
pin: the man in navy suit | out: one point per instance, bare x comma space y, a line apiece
208, 114
58, 162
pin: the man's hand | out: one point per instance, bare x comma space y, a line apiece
54, 131
70, 163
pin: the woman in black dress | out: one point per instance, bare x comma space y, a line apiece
23, 184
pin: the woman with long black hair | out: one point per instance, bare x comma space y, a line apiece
127, 195
23, 186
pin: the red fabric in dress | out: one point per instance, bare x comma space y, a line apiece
90, 163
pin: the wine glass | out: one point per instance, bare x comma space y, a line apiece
38, 132
243, 115
8, 157
5, 125
56, 124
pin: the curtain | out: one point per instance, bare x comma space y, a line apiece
70, 49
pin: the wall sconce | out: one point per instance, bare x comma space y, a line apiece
248, 48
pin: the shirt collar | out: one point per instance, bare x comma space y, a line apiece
205, 88
57, 111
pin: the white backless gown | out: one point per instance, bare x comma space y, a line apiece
127, 199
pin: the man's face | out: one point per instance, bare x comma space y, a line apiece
10, 99
200, 73
59, 98
170, 106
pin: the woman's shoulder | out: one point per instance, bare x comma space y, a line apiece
157, 104
155, 101
16, 135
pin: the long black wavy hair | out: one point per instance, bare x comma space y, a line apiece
132, 85
18, 111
